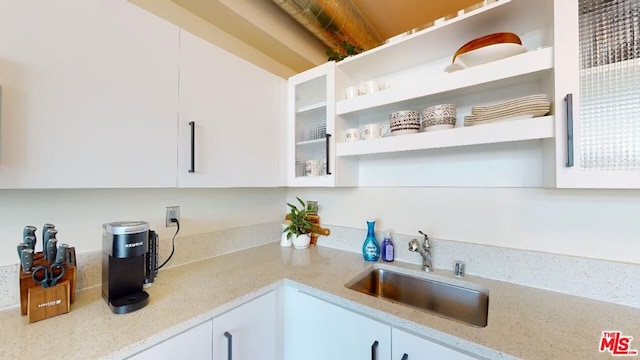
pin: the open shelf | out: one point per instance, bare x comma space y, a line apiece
442, 40
517, 130
515, 68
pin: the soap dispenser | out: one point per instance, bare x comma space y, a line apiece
370, 247
387, 248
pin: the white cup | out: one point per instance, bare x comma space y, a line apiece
351, 92
352, 134
371, 86
374, 131
314, 167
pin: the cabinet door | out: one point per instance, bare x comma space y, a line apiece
410, 347
88, 95
311, 132
596, 68
319, 330
248, 331
237, 113
193, 344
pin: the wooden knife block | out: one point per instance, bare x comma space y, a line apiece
43, 303
27, 283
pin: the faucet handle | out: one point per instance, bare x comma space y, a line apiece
426, 239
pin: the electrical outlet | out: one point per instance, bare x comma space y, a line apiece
173, 212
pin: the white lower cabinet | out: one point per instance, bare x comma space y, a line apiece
315, 329
193, 344
410, 347
247, 332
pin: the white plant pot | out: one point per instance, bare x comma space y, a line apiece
301, 241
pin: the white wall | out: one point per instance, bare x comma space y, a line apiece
79, 214
603, 224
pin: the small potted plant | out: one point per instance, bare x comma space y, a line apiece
298, 230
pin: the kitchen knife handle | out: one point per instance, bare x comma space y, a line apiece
569, 103
193, 146
29, 231
52, 250
229, 345
61, 254
327, 137
374, 350
405, 357
26, 259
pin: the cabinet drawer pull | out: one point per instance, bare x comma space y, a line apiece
193, 146
229, 345
405, 357
374, 350
327, 136
569, 103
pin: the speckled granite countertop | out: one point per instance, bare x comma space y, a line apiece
523, 322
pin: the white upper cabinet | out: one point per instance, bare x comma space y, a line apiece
89, 95
597, 71
231, 113
311, 141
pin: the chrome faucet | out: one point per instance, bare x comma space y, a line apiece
424, 251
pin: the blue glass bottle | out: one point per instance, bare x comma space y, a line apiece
370, 247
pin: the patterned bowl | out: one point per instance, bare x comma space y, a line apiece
404, 116
442, 116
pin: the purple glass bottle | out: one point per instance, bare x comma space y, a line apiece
387, 248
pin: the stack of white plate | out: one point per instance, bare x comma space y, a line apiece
515, 109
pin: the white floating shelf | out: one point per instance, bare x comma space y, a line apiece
311, 107
517, 130
511, 68
310, 142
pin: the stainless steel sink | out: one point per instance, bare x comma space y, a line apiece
450, 301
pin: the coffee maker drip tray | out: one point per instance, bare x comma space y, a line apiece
129, 303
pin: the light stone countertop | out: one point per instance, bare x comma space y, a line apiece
523, 322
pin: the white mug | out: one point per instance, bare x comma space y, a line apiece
371, 86
352, 134
374, 131
314, 167
351, 92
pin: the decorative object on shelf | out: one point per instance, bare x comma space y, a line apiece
486, 49
404, 122
514, 109
439, 117
347, 50
374, 131
352, 134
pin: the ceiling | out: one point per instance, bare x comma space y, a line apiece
392, 17
271, 38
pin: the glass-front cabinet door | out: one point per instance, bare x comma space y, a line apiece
311, 159
597, 93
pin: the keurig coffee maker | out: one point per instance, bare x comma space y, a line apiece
129, 253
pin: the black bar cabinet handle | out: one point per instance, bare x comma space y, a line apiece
569, 102
327, 136
374, 350
405, 357
193, 146
229, 344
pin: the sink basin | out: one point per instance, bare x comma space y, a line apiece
450, 301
